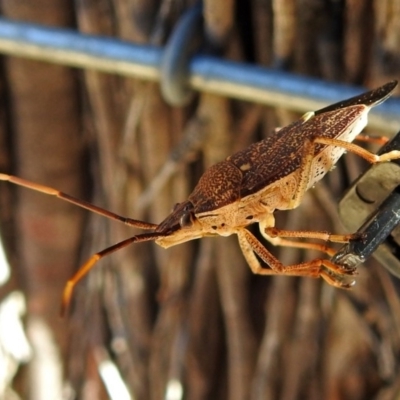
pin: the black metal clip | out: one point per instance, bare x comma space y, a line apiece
373, 202
174, 67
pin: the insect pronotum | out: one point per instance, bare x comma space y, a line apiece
248, 187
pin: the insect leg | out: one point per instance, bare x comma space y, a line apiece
381, 140
275, 236
352, 147
323, 248
91, 262
80, 203
326, 236
249, 255
330, 272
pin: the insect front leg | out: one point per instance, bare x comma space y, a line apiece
330, 272
277, 237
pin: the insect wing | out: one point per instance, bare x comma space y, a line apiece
371, 98
267, 161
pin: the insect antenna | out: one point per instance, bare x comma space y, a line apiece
80, 203
91, 262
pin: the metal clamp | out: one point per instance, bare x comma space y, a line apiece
373, 202
174, 66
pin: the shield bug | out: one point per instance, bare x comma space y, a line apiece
249, 186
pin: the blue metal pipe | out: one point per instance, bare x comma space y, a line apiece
208, 74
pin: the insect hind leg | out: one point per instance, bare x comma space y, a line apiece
360, 151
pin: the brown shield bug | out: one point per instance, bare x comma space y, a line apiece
249, 186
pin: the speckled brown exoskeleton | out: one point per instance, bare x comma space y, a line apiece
249, 186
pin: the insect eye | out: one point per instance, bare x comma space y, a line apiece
186, 220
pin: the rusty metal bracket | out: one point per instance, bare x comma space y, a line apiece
372, 207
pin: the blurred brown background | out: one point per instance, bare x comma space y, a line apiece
192, 317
